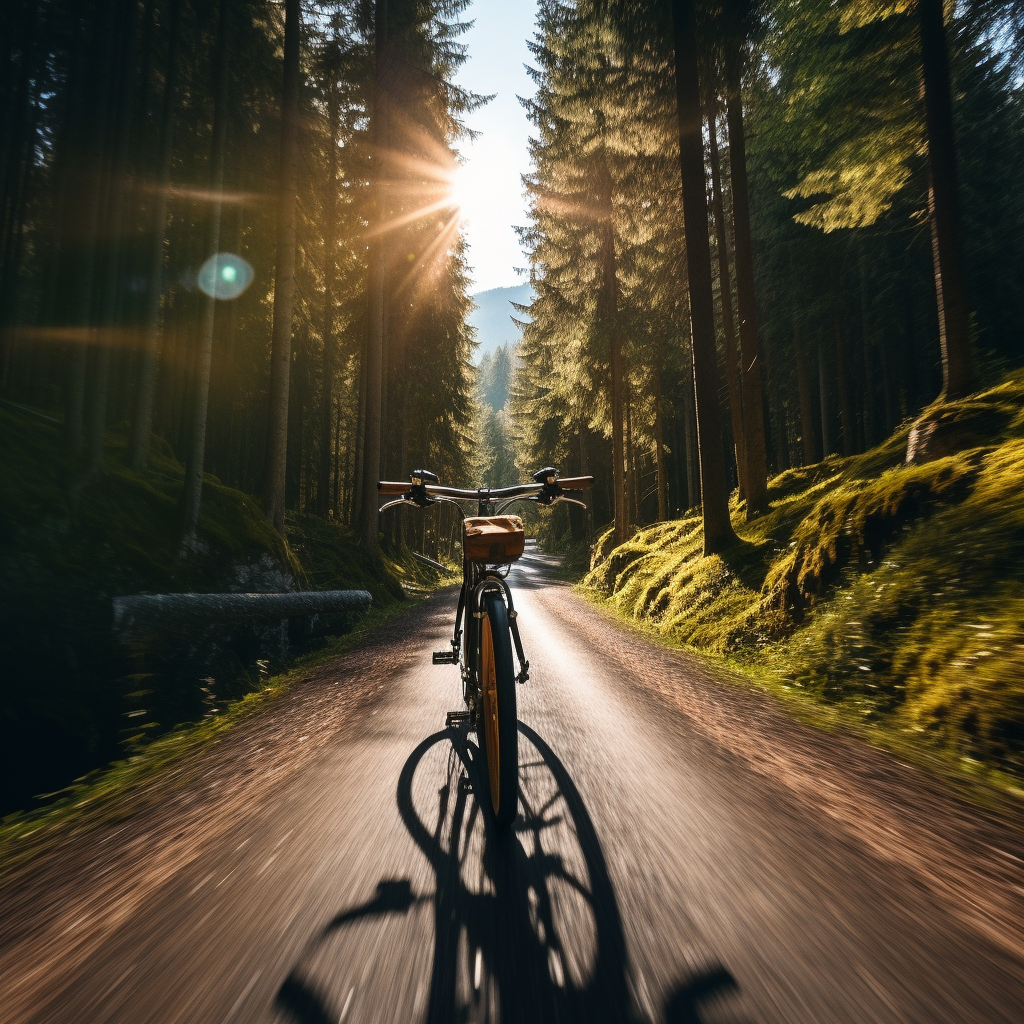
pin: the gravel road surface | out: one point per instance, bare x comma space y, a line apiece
685, 852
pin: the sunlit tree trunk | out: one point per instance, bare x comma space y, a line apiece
336, 493
632, 474
690, 443
718, 531
659, 451
142, 421
753, 420
193, 488
356, 501
374, 365
275, 460
608, 312
323, 491
728, 327
584, 496
944, 203
610, 290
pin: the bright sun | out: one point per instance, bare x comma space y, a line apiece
469, 192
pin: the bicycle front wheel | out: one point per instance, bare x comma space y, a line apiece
497, 726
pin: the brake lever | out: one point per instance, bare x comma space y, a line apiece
574, 501
397, 501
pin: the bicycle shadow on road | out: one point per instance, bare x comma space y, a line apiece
526, 925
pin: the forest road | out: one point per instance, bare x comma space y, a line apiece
685, 852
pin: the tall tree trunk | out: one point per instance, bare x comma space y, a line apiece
608, 312
89, 116
585, 496
356, 502
374, 364
17, 146
191, 498
323, 491
224, 369
728, 328
120, 140
826, 416
869, 384
753, 420
782, 420
890, 420
659, 451
633, 477
944, 203
806, 403
692, 457
845, 407
142, 421
284, 278
718, 531
336, 492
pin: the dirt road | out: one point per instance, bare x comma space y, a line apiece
685, 852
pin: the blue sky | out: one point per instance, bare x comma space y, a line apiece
490, 185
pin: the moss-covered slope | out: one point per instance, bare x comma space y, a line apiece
70, 696
895, 590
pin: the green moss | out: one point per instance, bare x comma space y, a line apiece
894, 592
856, 520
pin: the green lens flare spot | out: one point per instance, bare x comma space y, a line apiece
225, 276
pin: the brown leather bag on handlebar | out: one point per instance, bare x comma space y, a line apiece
494, 539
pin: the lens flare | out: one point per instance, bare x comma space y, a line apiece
225, 276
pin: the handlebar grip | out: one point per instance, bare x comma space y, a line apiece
393, 487
576, 483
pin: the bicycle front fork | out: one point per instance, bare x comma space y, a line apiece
477, 610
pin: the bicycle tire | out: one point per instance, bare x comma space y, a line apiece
498, 725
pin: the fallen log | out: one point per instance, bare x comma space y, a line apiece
139, 610
430, 561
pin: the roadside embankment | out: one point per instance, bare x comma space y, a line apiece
886, 587
73, 697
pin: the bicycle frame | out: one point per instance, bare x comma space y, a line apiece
477, 578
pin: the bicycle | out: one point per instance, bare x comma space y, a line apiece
491, 542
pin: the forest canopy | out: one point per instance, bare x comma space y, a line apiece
857, 253
139, 138
832, 183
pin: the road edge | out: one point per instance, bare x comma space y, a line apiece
974, 782
127, 787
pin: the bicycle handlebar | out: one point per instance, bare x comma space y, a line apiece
576, 483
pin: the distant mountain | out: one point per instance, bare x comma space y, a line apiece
493, 317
